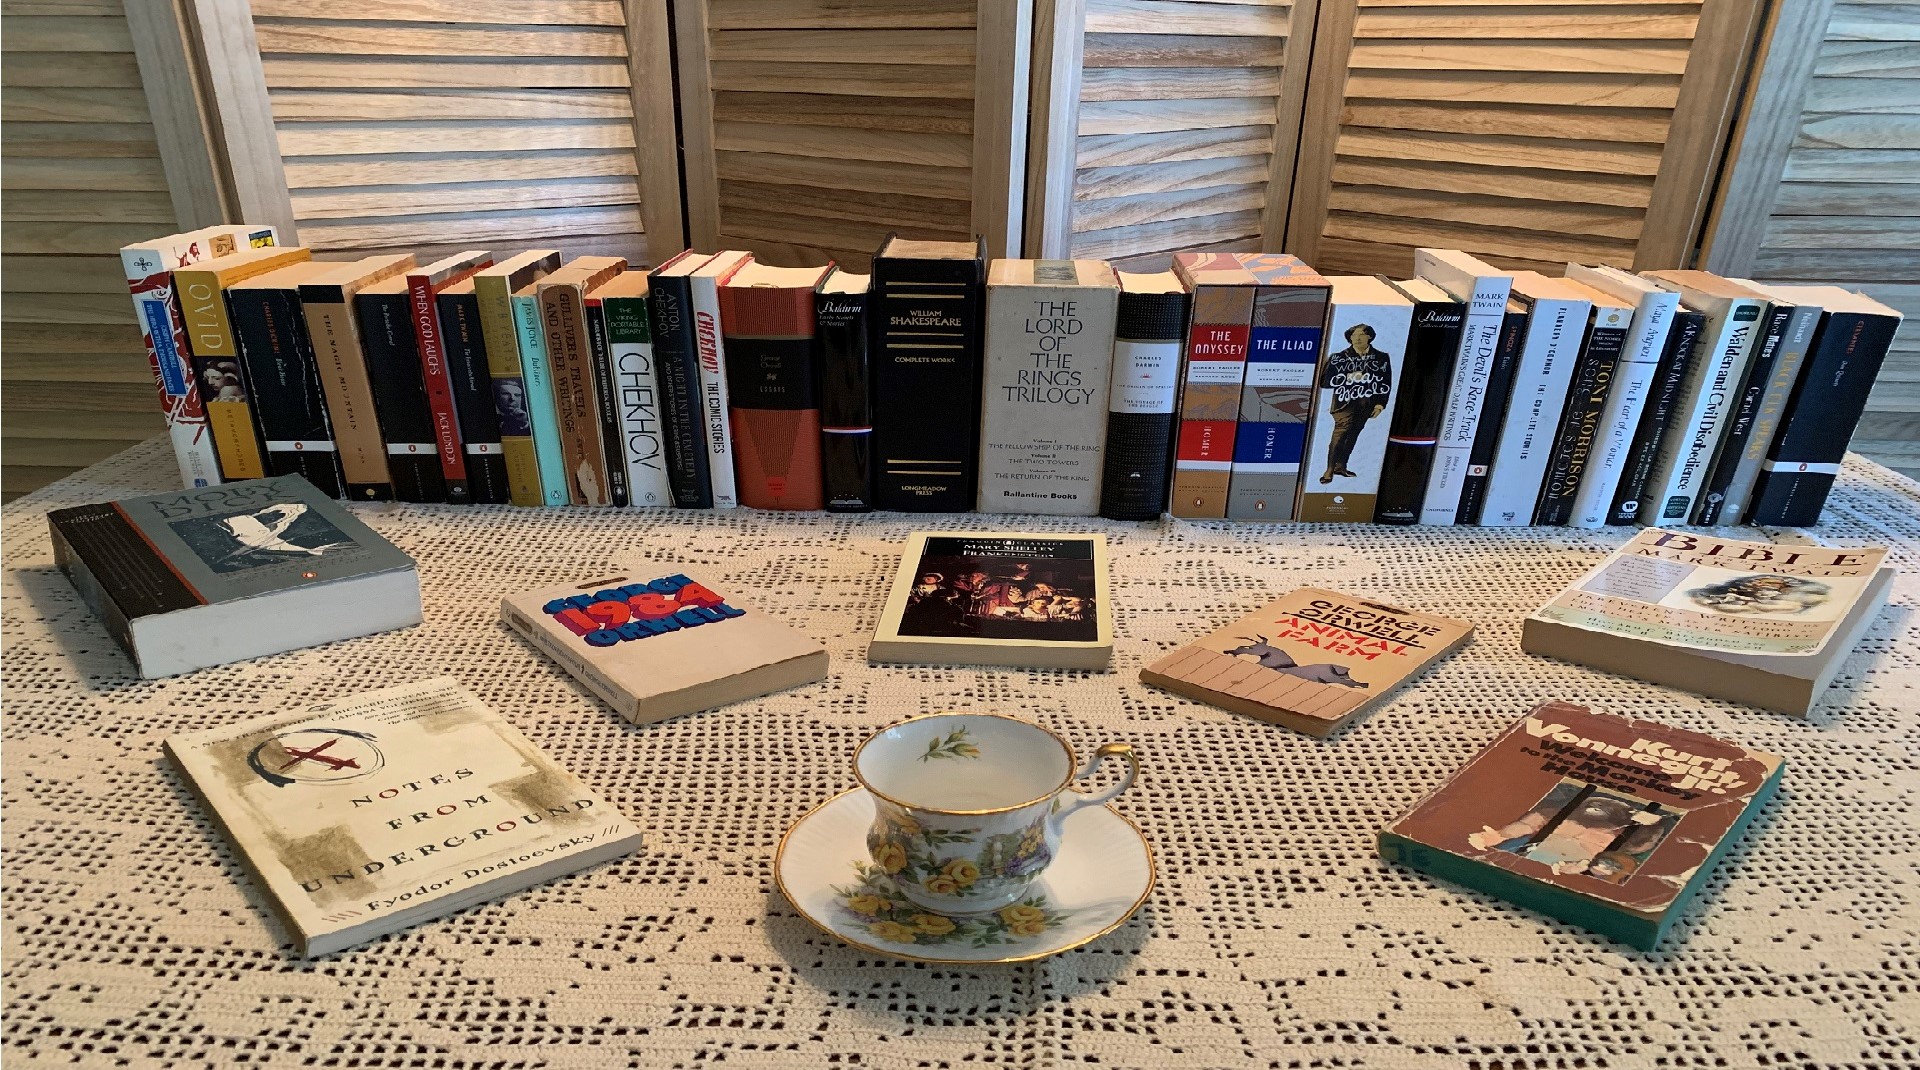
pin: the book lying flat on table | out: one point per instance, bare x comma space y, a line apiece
364, 816
998, 598
1603, 822
241, 570
1767, 624
1313, 660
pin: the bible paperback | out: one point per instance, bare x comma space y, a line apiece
998, 598
1600, 821
373, 813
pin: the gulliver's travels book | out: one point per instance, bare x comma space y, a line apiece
364, 816
1766, 624
1606, 823
998, 598
656, 646
1312, 660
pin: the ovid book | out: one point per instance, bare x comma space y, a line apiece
364, 816
1600, 821
1767, 624
1313, 660
998, 598
656, 646
236, 571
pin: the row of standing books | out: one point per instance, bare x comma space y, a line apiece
1235, 386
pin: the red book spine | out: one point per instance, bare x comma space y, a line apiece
773, 396
433, 371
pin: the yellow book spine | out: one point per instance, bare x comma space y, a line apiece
503, 364
216, 370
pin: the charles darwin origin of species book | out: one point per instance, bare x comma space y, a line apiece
676, 359
365, 815
1433, 344
399, 391
1600, 821
998, 598
1142, 398
219, 574
1367, 325
1276, 398
217, 371
563, 315
283, 377
340, 353
1312, 660
429, 336
1633, 383
773, 385
634, 390
656, 646
1768, 624
1214, 370
841, 338
493, 290
1043, 401
925, 304
469, 370
1484, 290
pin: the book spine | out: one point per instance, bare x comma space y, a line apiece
715, 428
463, 341
400, 397
1215, 371
1633, 383
1276, 401
270, 333
927, 335
1681, 470
1708, 508
1786, 373
676, 357
544, 426
773, 395
1433, 346
1142, 397
1357, 389
846, 401
157, 309
1820, 419
341, 363
1493, 417
510, 411
1466, 394
570, 355
218, 375
1669, 381
636, 392
1555, 329
1573, 447
431, 346
605, 407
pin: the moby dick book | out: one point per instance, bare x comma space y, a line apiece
363, 816
1600, 821
1312, 660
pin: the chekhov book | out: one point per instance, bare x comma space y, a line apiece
1312, 660
1600, 821
1767, 624
1043, 401
1485, 290
372, 813
656, 646
201, 290
634, 391
773, 385
926, 304
220, 574
1433, 344
1143, 396
1276, 398
998, 598
1367, 325
1213, 372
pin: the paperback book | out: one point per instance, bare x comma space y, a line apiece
633, 391
216, 354
399, 391
429, 336
1283, 356
1733, 325
1484, 289
283, 376
716, 424
1214, 370
998, 598
1433, 345
1634, 379
513, 409
340, 353
842, 335
676, 358
1368, 319
1557, 313
1579, 434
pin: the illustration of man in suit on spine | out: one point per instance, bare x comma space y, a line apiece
1361, 379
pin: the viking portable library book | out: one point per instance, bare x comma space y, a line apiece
363, 816
998, 598
655, 646
218, 574
1766, 624
1149, 326
1312, 660
1600, 821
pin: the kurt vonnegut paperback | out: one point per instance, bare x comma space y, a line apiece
998, 598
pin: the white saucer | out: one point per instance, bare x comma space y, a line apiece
1101, 876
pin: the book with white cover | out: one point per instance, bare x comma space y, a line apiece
1556, 325
1485, 290
1632, 384
1734, 315
363, 816
1356, 387
716, 427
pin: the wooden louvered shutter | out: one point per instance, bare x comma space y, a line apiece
1531, 132
814, 127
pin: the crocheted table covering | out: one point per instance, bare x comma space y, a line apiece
1274, 938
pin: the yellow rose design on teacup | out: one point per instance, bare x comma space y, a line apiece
890, 857
1023, 920
963, 871
942, 885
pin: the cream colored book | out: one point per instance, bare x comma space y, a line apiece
364, 816
998, 598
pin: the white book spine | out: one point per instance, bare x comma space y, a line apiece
1466, 396
1632, 382
1706, 399
1786, 372
715, 425
1555, 330
637, 396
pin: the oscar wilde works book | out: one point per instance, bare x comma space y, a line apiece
1312, 660
846, 391
363, 816
1366, 341
1600, 821
998, 598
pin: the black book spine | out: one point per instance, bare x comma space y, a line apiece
1683, 341
400, 396
1820, 418
270, 333
1713, 497
927, 363
1150, 330
677, 362
842, 333
1428, 372
1493, 416
1579, 424
606, 404
466, 348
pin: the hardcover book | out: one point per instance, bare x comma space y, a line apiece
216, 356
1485, 290
1283, 357
493, 290
340, 354
220, 574
926, 304
399, 392
1603, 822
1312, 660
429, 336
998, 598
1634, 378
1734, 323
537, 372
1043, 402
1797, 340
1433, 345
658, 646
365, 815
1150, 324
1215, 369
635, 389
1367, 321
563, 315
283, 376
1579, 433
1557, 313
1709, 508
676, 357
1649, 439
841, 327
773, 385
470, 372
716, 424
1493, 413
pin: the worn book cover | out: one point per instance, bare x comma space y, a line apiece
365, 815
998, 598
1367, 329
1600, 821
1313, 660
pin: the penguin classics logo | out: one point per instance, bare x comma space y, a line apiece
316, 756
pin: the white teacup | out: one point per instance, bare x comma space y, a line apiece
968, 806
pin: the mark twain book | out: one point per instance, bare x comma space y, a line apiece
842, 335
1283, 357
1214, 369
563, 315
399, 391
926, 307
219, 574
1367, 324
656, 646
1600, 821
1312, 660
283, 376
1493, 413
1433, 344
340, 353
493, 290
998, 598
216, 356
1150, 326
429, 335
1485, 290
773, 385
371, 813
676, 357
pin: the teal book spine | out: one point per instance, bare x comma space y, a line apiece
539, 378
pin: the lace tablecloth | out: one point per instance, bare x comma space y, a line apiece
1275, 937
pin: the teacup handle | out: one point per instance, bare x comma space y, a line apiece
1071, 801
